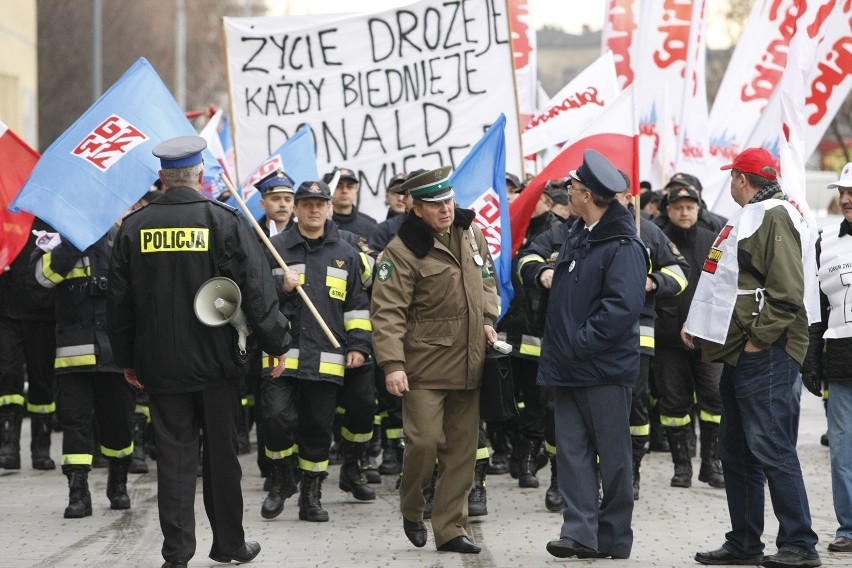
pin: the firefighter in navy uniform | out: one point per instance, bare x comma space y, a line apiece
87, 376
27, 322
299, 406
194, 378
666, 278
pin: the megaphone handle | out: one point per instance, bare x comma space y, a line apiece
280, 261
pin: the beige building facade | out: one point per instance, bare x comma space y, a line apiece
19, 69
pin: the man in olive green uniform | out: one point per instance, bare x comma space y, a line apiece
433, 308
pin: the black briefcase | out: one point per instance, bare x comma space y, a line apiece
497, 393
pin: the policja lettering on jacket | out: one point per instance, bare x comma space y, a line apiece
174, 239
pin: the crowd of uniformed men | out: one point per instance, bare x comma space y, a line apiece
53, 334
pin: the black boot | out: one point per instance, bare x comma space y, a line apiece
282, 486
530, 463
10, 436
639, 444
137, 459
352, 479
310, 507
117, 483
41, 428
691, 438
680, 456
429, 495
552, 497
477, 501
79, 498
390, 464
711, 468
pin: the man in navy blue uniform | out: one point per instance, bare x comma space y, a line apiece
590, 355
162, 255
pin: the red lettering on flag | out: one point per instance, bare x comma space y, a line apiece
109, 142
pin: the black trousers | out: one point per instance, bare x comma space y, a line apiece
177, 419
111, 399
33, 343
679, 375
640, 423
357, 397
299, 412
389, 407
532, 418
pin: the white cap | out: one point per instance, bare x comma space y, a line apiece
845, 178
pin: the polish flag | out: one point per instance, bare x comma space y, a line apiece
18, 161
615, 134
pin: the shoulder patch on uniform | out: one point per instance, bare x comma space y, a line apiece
384, 270
674, 248
225, 206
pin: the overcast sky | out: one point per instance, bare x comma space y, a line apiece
570, 15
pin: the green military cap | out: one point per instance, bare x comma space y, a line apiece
433, 185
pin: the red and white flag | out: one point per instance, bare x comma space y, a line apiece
661, 63
619, 35
18, 161
614, 134
692, 136
573, 108
751, 79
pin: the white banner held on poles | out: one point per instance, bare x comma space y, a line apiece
524, 49
574, 107
385, 92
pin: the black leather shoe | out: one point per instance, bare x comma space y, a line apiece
567, 547
724, 557
246, 553
460, 544
841, 544
174, 564
415, 531
790, 559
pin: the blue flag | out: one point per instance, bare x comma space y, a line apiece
296, 156
480, 184
98, 168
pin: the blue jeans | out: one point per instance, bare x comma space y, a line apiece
760, 415
840, 447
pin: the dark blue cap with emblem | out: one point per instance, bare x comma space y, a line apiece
313, 189
180, 152
599, 175
275, 182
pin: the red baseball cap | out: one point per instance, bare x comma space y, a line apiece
752, 161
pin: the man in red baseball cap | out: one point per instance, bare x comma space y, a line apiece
750, 310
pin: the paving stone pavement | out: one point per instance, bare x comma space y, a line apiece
669, 524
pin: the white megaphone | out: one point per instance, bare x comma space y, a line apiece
217, 302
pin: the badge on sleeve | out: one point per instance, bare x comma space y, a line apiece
384, 270
572, 265
478, 260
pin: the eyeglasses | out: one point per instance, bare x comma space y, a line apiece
572, 189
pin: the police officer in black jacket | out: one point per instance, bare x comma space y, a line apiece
162, 255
